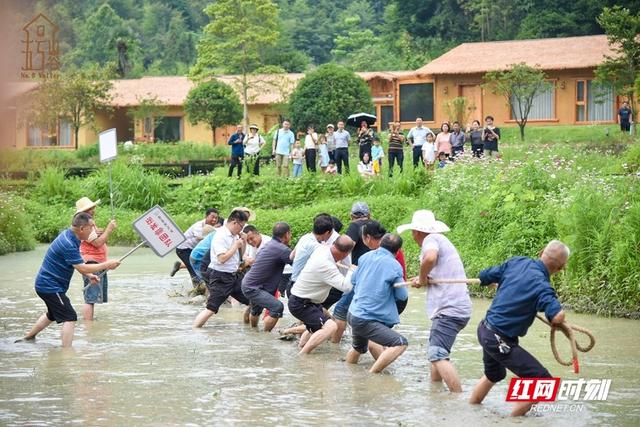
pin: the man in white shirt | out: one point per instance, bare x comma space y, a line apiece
418, 136
322, 231
341, 138
193, 235
255, 242
319, 275
226, 253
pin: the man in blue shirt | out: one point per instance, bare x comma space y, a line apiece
626, 117
283, 140
237, 150
52, 281
524, 289
377, 305
261, 282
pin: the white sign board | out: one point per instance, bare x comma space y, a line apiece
159, 231
108, 145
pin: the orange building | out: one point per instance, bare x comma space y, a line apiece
397, 95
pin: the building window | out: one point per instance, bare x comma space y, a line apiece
416, 100
386, 116
64, 133
594, 103
147, 125
168, 129
39, 136
542, 106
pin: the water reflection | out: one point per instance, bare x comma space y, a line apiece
140, 363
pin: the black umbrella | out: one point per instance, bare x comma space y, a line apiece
355, 119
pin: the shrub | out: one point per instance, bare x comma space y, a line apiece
52, 187
133, 187
16, 233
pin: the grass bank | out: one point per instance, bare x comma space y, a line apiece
585, 194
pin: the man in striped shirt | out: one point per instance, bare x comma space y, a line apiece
52, 281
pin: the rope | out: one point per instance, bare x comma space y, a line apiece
568, 330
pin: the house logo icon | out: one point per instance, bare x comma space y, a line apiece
40, 48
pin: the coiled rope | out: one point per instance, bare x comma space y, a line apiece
568, 330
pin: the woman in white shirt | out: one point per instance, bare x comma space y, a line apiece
365, 167
253, 143
310, 148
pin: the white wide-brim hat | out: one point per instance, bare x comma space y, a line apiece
425, 221
85, 203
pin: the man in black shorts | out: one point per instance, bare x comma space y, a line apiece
261, 282
52, 281
318, 276
524, 288
377, 305
226, 254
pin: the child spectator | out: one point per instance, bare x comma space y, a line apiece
331, 169
324, 152
297, 155
429, 151
377, 153
442, 159
365, 167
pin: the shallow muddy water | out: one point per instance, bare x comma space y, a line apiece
140, 363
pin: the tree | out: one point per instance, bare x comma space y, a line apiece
214, 103
75, 95
102, 36
519, 85
328, 94
623, 68
233, 40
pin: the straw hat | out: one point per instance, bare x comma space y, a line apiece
254, 127
252, 215
85, 204
425, 221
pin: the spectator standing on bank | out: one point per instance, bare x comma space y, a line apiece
626, 117
417, 137
377, 154
365, 139
490, 136
475, 136
331, 142
282, 143
310, 148
457, 140
237, 150
396, 147
297, 156
253, 143
443, 140
341, 137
